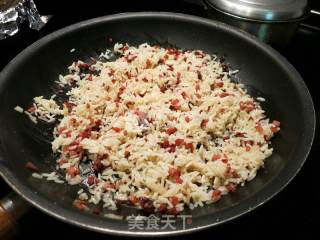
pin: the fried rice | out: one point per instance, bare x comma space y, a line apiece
158, 128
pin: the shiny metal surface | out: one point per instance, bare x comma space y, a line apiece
264, 10
14, 205
14, 13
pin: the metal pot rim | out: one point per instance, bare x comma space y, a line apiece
299, 19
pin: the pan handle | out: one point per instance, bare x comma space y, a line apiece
12, 207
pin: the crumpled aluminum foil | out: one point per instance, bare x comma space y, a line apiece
15, 12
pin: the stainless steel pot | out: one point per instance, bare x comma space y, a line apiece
272, 21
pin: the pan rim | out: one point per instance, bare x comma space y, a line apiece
266, 194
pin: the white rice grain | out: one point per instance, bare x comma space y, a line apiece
261, 99
37, 175
18, 109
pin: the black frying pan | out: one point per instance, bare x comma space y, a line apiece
264, 72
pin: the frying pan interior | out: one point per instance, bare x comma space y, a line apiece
263, 71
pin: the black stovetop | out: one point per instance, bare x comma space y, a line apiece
293, 210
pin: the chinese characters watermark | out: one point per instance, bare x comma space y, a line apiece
153, 222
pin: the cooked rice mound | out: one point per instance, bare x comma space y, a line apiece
159, 128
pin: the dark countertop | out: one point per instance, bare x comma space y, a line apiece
294, 209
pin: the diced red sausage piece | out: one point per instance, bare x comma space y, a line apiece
31, 166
